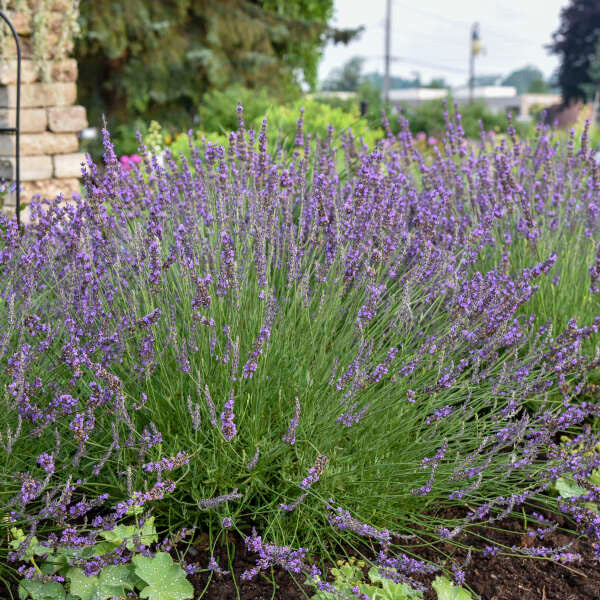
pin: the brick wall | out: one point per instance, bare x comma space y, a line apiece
50, 120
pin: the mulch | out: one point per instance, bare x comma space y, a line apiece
489, 577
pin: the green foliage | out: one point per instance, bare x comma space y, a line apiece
346, 78
524, 78
349, 575
29, 588
396, 83
446, 590
165, 580
565, 292
317, 118
113, 581
575, 43
34, 548
593, 87
155, 60
567, 488
282, 121
429, 117
157, 578
147, 534
538, 86
217, 112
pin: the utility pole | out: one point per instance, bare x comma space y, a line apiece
388, 36
476, 48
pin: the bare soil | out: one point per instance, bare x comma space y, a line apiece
489, 578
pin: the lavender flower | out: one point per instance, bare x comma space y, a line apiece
167, 464
254, 460
207, 503
213, 565
271, 555
228, 427
46, 461
315, 472
290, 435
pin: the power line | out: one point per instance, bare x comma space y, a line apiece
418, 62
451, 21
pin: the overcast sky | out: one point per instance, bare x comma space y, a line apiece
432, 36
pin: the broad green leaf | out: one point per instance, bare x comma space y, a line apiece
165, 580
34, 549
118, 534
134, 510
112, 582
147, 534
36, 590
53, 564
98, 549
595, 477
567, 488
17, 534
391, 590
446, 590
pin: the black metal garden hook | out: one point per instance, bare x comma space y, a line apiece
16, 129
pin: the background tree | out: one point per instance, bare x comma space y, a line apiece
575, 42
396, 83
149, 59
538, 86
524, 78
483, 80
437, 83
593, 86
347, 78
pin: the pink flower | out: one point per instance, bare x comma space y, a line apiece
421, 136
432, 141
135, 158
125, 164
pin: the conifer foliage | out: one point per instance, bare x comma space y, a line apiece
147, 58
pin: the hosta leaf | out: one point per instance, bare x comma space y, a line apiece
112, 582
165, 580
446, 590
36, 590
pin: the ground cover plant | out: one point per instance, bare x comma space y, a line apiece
264, 343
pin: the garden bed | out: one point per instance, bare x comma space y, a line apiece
499, 577
323, 346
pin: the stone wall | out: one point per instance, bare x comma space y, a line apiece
50, 120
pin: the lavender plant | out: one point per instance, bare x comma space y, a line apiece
246, 339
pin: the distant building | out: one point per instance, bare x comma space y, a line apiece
416, 96
496, 97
